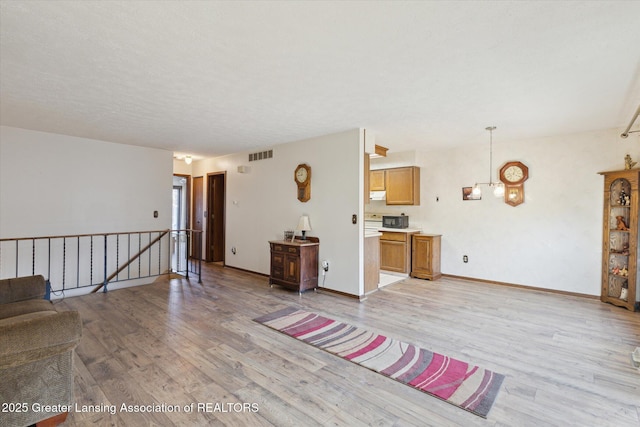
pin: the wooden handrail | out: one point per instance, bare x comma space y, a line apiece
133, 258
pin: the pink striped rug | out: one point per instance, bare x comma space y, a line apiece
466, 386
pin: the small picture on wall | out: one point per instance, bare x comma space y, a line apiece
467, 194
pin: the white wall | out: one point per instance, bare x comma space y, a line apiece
181, 168
56, 184
262, 203
61, 185
551, 241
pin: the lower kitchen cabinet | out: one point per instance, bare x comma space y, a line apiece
294, 264
426, 256
395, 251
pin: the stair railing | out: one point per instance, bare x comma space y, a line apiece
73, 262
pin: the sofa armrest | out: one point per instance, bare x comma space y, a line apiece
22, 288
37, 336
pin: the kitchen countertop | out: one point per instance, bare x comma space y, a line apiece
399, 230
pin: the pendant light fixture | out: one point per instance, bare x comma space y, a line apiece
498, 187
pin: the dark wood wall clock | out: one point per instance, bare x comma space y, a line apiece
302, 176
513, 175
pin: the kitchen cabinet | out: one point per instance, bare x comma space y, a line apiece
425, 257
294, 264
395, 251
403, 185
376, 180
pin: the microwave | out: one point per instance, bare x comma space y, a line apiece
400, 221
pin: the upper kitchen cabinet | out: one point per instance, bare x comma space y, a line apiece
376, 180
402, 185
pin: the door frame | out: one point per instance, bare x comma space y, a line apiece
188, 199
220, 202
198, 214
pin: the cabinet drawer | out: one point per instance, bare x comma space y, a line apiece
395, 237
293, 250
277, 260
278, 248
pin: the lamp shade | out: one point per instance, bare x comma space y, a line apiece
304, 224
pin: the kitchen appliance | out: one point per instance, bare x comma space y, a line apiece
377, 195
372, 221
395, 221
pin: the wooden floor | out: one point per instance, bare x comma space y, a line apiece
566, 359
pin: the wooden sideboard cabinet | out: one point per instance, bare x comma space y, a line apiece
426, 256
294, 264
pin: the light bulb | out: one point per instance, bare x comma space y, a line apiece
498, 190
476, 191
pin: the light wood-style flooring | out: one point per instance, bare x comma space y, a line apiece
566, 359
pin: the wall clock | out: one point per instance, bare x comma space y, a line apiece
302, 177
513, 175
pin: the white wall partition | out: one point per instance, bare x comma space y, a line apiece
261, 203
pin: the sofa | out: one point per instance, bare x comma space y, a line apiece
36, 354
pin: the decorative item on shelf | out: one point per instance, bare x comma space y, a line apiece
621, 224
616, 270
624, 292
289, 235
498, 187
624, 199
304, 225
628, 162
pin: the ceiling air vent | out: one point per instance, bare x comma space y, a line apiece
261, 155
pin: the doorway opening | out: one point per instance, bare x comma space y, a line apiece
215, 217
179, 222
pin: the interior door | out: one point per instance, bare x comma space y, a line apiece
198, 215
215, 219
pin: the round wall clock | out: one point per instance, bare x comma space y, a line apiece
302, 177
513, 175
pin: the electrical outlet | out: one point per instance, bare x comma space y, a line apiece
325, 265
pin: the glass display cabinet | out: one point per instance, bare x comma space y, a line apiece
620, 239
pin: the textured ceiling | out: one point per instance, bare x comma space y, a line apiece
212, 78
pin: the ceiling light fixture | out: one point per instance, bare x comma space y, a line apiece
628, 130
498, 187
188, 159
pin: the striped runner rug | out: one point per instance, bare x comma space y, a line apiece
469, 387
